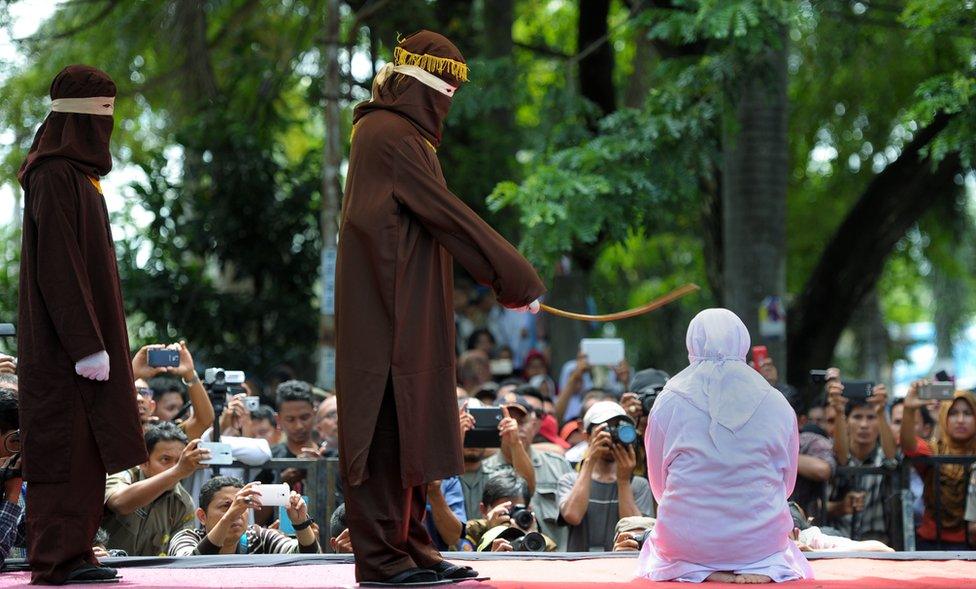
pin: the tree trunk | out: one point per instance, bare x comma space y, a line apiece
329, 220
754, 195
854, 258
596, 67
570, 292
872, 340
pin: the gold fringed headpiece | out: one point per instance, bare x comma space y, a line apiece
431, 63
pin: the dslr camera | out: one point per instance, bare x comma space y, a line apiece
530, 542
623, 432
522, 517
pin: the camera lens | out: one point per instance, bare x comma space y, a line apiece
522, 517
626, 433
531, 542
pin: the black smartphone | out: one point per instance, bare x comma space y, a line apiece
7, 330
818, 376
163, 357
485, 431
857, 390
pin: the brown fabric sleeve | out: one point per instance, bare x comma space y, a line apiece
485, 254
62, 275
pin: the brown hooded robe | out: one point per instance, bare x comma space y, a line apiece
395, 373
73, 429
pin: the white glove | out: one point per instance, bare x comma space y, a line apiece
532, 307
94, 367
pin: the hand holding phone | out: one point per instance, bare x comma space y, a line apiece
163, 358
275, 495
939, 390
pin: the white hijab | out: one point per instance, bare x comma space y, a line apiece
718, 380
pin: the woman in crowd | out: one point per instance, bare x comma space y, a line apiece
956, 436
722, 449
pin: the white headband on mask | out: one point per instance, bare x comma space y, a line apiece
426, 78
96, 105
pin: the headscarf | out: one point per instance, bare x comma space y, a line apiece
953, 481
718, 381
81, 139
423, 106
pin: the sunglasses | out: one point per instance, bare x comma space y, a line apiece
145, 392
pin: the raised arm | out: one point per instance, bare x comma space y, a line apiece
485, 254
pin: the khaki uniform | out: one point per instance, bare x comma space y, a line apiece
147, 530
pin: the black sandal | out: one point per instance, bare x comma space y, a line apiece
89, 573
447, 570
415, 577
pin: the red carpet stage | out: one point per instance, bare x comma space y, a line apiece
509, 571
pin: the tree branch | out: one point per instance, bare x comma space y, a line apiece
70, 32
855, 256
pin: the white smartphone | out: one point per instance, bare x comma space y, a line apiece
274, 495
603, 351
219, 453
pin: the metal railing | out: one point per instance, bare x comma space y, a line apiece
897, 496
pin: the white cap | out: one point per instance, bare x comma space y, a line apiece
602, 412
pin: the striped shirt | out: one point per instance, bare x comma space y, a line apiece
255, 540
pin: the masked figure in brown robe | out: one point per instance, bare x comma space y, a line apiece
400, 228
77, 401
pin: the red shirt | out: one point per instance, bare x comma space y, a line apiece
927, 529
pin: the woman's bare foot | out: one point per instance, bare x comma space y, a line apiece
751, 579
721, 577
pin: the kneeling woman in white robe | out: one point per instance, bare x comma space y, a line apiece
722, 450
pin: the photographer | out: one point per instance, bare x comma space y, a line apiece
546, 469
505, 504
858, 512
223, 511
12, 532
957, 436
605, 489
631, 532
147, 504
578, 377
203, 411
476, 471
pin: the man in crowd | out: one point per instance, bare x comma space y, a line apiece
296, 417
859, 510
505, 492
169, 397
223, 511
769, 371
816, 463
12, 532
78, 413
264, 425
474, 371
547, 469
202, 415
476, 472
147, 505
605, 490
327, 425
446, 515
579, 377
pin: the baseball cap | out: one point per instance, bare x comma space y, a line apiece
602, 412
647, 378
568, 428
521, 405
548, 430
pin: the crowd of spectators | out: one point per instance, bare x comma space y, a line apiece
568, 471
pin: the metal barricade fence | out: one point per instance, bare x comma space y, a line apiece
321, 482
898, 498
938, 461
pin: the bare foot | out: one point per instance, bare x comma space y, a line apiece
745, 579
721, 577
